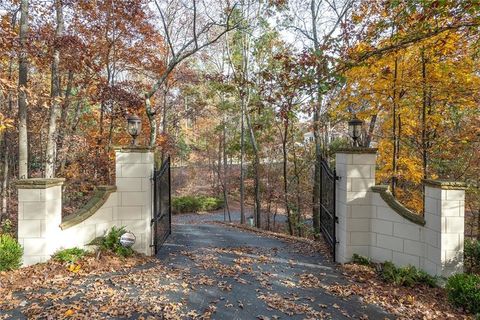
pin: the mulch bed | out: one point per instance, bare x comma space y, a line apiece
55, 271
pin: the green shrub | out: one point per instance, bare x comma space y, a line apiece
10, 253
6, 227
358, 259
406, 276
187, 204
111, 242
464, 291
69, 255
472, 256
210, 203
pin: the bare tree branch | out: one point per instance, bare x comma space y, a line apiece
184, 52
166, 29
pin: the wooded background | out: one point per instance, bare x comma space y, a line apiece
238, 83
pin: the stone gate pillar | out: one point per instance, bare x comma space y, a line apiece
39, 218
445, 226
134, 173
356, 169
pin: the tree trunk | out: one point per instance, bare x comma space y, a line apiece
164, 114
268, 189
64, 118
22, 94
285, 176
394, 129
152, 122
242, 155
55, 96
318, 161
6, 155
316, 127
296, 174
9, 104
424, 117
110, 130
371, 129
225, 170
72, 130
256, 165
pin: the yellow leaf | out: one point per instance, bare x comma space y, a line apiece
74, 268
69, 313
410, 299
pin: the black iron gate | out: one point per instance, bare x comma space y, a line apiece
162, 213
328, 218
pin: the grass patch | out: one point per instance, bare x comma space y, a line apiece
70, 256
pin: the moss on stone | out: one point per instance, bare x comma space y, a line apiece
39, 183
445, 184
359, 150
138, 149
396, 206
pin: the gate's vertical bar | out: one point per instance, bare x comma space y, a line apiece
169, 197
334, 207
160, 201
155, 210
320, 198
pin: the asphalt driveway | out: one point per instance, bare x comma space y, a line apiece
259, 277
203, 271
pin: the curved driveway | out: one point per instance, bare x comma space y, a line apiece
203, 271
259, 277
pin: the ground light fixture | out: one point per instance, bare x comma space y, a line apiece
127, 239
134, 127
355, 130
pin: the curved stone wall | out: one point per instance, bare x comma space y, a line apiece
100, 197
374, 224
41, 230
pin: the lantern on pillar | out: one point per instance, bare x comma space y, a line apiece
355, 130
134, 127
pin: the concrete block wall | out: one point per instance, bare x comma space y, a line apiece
41, 230
39, 215
374, 224
394, 238
444, 233
134, 173
82, 233
357, 175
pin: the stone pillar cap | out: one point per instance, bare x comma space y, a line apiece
39, 183
141, 149
445, 184
358, 150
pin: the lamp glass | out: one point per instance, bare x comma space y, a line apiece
134, 126
355, 129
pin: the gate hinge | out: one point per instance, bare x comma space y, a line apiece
152, 222
336, 219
